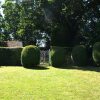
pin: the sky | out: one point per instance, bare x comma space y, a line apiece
2, 1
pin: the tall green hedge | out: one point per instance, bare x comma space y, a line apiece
79, 55
58, 56
96, 53
30, 56
10, 56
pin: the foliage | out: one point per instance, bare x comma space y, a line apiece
26, 26
79, 55
66, 17
10, 56
30, 56
96, 53
64, 20
2, 36
90, 30
11, 17
23, 20
32, 22
58, 56
89, 26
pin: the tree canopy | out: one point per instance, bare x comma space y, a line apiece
67, 22
69, 17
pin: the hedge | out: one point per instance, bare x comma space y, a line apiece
10, 56
96, 53
79, 55
30, 56
57, 56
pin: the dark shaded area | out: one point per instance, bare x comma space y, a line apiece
3, 44
38, 68
10, 56
84, 68
43, 67
9, 66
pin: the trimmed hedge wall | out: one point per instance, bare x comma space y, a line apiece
30, 56
58, 56
10, 56
79, 55
96, 53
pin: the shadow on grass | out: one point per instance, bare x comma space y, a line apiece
84, 68
9, 66
43, 67
38, 68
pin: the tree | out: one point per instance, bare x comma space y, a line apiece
89, 27
11, 18
66, 17
32, 22
64, 20
3, 36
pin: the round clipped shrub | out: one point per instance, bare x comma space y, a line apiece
96, 53
79, 55
58, 56
30, 56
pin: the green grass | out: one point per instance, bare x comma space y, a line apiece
18, 83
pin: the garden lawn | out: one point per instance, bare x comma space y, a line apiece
18, 83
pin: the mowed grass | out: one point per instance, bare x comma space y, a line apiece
18, 83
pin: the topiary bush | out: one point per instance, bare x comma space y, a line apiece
30, 56
58, 56
96, 53
79, 55
10, 56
